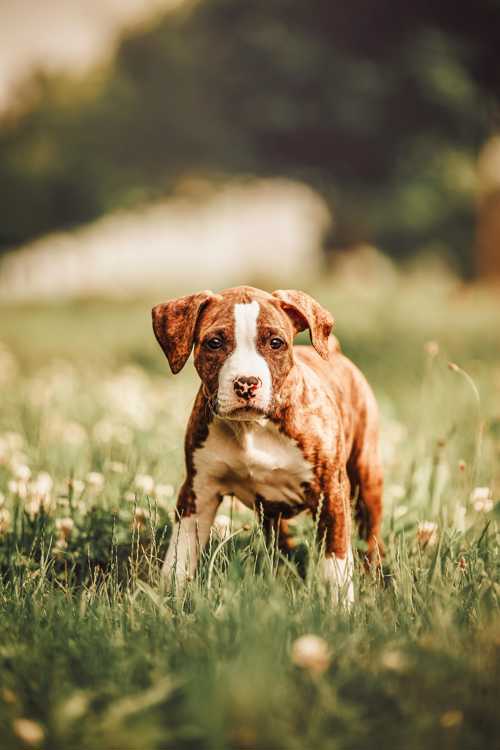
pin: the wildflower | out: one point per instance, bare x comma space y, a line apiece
481, 499
4, 520
427, 533
145, 483
164, 490
95, 479
18, 487
462, 564
21, 472
117, 467
432, 348
394, 660
311, 653
222, 525
65, 527
130, 497
30, 732
451, 719
43, 484
140, 518
462, 465
33, 507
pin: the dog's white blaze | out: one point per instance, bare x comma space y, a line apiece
338, 573
245, 360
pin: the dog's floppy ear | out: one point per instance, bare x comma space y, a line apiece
174, 324
305, 312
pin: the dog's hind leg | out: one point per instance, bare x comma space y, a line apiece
365, 473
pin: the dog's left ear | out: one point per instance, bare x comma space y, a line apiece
305, 312
174, 324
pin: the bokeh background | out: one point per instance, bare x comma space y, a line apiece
150, 148
175, 144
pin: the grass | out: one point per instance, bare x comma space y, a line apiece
93, 657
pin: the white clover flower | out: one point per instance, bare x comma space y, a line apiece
12, 486
43, 483
29, 732
95, 480
222, 525
144, 482
35, 505
394, 660
482, 501
117, 467
21, 472
65, 527
18, 487
427, 533
311, 653
432, 348
480, 493
164, 490
483, 506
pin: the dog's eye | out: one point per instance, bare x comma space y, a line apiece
214, 343
276, 343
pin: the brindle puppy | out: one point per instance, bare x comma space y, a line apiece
284, 428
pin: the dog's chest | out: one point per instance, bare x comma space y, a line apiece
253, 460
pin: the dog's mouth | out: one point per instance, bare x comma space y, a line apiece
243, 412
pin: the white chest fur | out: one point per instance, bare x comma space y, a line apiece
249, 459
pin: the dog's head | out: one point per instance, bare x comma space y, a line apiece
243, 343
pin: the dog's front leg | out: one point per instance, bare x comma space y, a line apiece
334, 535
195, 516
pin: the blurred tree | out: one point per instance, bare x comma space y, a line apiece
380, 106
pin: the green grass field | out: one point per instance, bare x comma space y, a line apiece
93, 657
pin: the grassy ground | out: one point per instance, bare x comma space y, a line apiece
93, 657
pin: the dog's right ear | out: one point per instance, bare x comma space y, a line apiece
174, 324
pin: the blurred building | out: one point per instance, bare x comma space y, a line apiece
263, 232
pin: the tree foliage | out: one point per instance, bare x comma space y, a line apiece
381, 106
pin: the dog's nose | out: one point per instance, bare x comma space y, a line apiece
246, 387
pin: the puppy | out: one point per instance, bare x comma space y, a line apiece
284, 428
